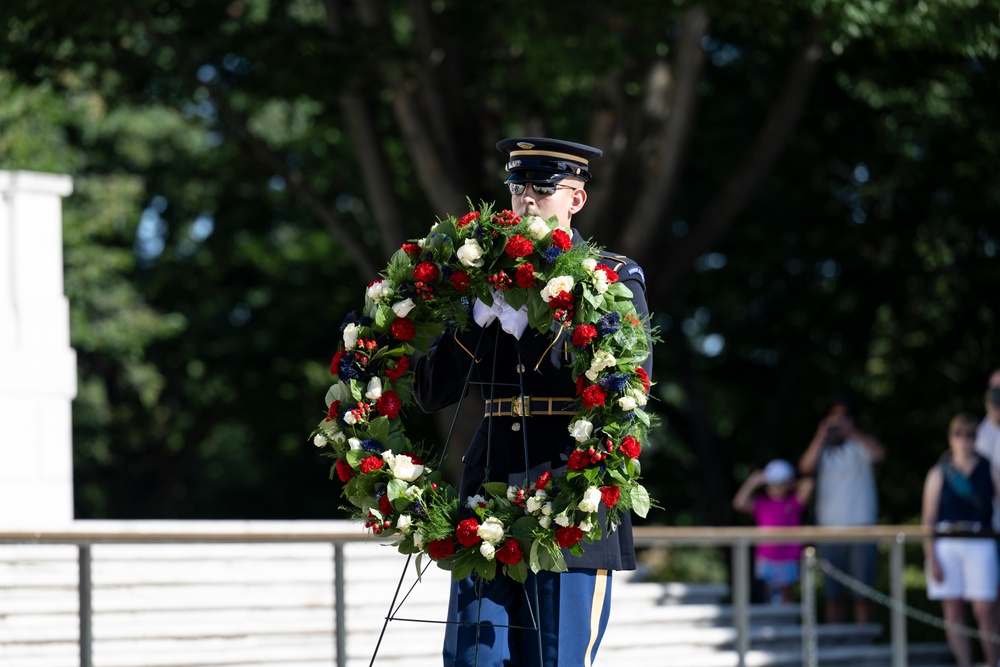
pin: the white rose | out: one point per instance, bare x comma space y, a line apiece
379, 290
413, 492
339, 437
319, 440
473, 501
600, 282
591, 500
403, 523
590, 263
563, 520
512, 493
534, 504
581, 430
350, 417
602, 359
491, 530
403, 308
470, 254
374, 389
418, 539
487, 550
640, 397
546, 509
627, 403
388, 456
350, 336
585, 525
555, 286
537, 229
404, 468
354, 443
545, 521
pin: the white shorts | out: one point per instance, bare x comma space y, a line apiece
969, 569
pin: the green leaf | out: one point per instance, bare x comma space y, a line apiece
524, 529
518, 571
640, 500
397, 489
496, 489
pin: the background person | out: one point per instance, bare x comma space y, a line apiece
988, 435
842, 457
958, 497
781, 504
490, 622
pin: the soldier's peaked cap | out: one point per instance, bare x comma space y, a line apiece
542, 160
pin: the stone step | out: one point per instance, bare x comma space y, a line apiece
876, 655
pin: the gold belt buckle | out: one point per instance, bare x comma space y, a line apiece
520, 406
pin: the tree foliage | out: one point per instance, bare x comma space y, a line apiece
810, 186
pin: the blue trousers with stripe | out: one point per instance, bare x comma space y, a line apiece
493, 624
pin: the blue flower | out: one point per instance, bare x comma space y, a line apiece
417, 508
373, 446
614, 382
347, 370
610, 323
550, 254
350, 317
365, 321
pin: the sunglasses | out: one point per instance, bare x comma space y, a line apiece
540, 190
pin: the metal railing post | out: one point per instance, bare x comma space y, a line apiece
86, 608
340, 616
898, 590
741, 598
810, 652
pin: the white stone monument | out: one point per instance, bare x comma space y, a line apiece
37, 364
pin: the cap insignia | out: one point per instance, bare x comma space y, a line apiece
525, 145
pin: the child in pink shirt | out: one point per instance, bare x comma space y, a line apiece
781, 504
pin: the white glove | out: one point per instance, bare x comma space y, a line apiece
513, 321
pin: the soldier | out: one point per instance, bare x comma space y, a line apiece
492, 623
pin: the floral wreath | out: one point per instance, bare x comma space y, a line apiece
567, 290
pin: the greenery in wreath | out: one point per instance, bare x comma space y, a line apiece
568, 292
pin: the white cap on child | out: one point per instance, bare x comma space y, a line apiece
778, 471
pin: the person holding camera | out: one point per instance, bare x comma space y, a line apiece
842, 458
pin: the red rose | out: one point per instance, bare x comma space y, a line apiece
460, 280
335, 363
561, 239
610, 495
578, 460
581, 382
467, 532
525, 276
442, 548
384, 506
643, 377
344, 470
510, 552
403, 329
544, 480
371, 464
583, 334
402, 364
561, 301
631, 447
518, 246
411, 248
467, 218
331, 414
567, 536
608, 272
425, 272
388, 404
594, 396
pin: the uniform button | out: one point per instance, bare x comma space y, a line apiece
520, 368
516, 426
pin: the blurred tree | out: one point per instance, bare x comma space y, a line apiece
808, 184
